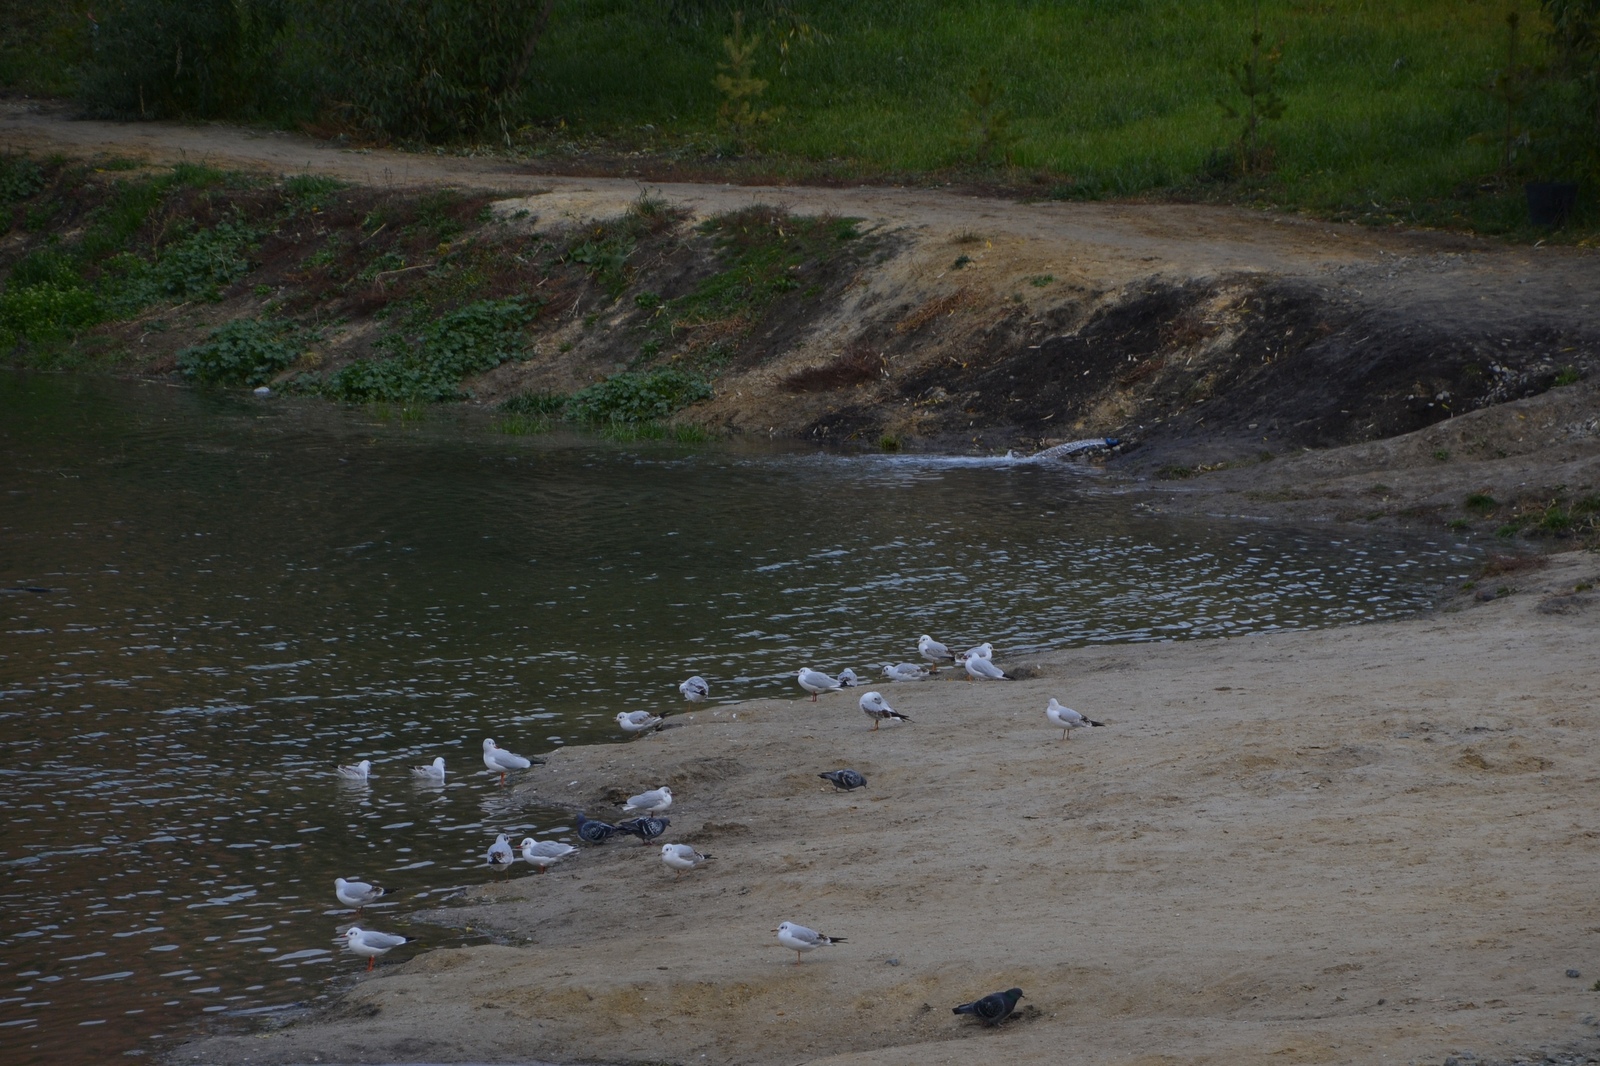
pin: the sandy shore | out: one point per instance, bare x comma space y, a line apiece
1363, 845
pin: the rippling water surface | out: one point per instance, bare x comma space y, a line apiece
211, 602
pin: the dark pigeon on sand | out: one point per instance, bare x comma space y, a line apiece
646, 829
992, 1010
595, 832
848, 780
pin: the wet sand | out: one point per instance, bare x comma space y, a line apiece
1368, 844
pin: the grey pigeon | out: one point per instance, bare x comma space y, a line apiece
595, 832
848, 780
646, 829
992, 1010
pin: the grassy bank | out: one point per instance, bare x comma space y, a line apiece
1388, 112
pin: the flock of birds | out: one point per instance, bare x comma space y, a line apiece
649, 806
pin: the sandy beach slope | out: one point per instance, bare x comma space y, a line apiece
1363, 845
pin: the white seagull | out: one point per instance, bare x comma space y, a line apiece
933, 651
875, 707
904, 672
984, 650
695, 689
369, 942
848, 678
433, 774
500, 854
355, 894
653, 802
1066, 718
815, 681
681, 857
545, 853
637, 721
979, 668
797, 938
499, 760
358, 772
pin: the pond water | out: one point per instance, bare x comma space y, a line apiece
212, 601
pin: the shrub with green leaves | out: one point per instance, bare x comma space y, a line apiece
248, 351
20, 178
45, 312
638, 396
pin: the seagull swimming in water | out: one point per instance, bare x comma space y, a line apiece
433, 774
875, 707
1066, 718
904, 672
595, 831
815, 681
499, 760
545, 853
682, 858
934, 652
369, 943
637, 721
652, 802
797, 938
846, 779
357, 772
993, 1009
981, 669
695, 689
355, 894
500, 854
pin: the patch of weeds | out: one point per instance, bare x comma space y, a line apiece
248, 352
428, 368
20, 178
627, 432
38, 217
632, 397
1555, 521
45, 313
1380, 489
538, 404
45, 266
1481, 502
197, 176
434, 214
1458, 524
649, 350
1442, 454
961, 262
382, 264
604, 258
329, 251
691, 433
647, 301
116, 163
522, 425
888, 443
1507, 531
1039, 281
198, 265
1175, 473
309, 192
1589, 505
1567, 375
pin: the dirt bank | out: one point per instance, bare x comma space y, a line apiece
1353, 846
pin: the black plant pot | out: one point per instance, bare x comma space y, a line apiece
1550, 202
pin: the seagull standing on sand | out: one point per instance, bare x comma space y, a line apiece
500, 854
984, 650
981, 669
357, 772
1066, 718
991, 1010
846, 779
595, 831
499, 760
637, 721
934, 652
545, 853
798, 939
646, 829
652, 802
904, 672
433, 774
369, 943
682, 858
815, 681
695, 689
355, 894
875, 707
848, 678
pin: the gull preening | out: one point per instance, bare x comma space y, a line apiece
545, 853
500, 854
815, 681
1066, 718
695, 689
498, 760
355, 894
798, 939
646, 829
652, 802
682, 858
595, 831
357, 772
846, 779
981, 669
433, 774
875, 707
991, 1009
848, 678
983, 651
637, 721
933, 651
369, 943
904, 672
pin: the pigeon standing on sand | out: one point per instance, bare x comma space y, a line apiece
682, 858
934, 652
981, 669
847, 779
1067, 718
798, 939
991, 1010
637, 721
355, 894
653, 802
646, 829
594, 831
695, 689
500, 854
815, 681
875, 707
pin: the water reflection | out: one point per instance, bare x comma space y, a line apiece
238, 596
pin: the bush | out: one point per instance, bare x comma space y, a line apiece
534, 403
638, 397
245, 352
45, 312
20, 178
